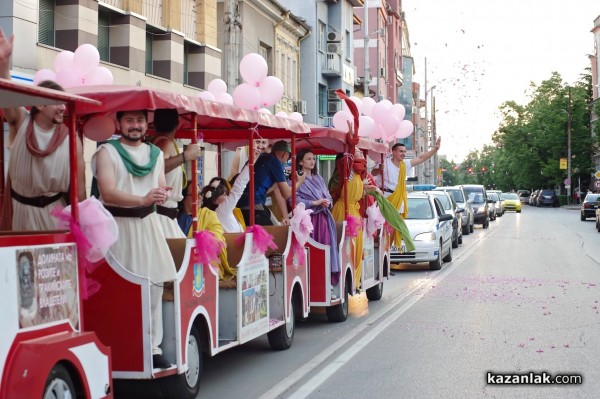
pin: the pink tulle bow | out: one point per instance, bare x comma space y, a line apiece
208, 247
262, 239
301, 223
388, 228
353, 226
375, 219
64, 220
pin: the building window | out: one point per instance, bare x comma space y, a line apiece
149, 40
186, 54
104, 34
295, 81
46, 23
322, 101
322, 38
348, 45
265, 52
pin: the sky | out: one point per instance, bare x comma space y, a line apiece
481, 53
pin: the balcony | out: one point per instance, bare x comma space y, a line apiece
332, 65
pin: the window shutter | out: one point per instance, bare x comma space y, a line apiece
149, 52
46, 22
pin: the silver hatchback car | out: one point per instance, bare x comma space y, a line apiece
468, 217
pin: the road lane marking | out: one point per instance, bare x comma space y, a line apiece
313, 383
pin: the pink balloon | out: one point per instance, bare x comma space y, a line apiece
297, 116
206, 95
399, 111
247, 96
99, 128
217, 86
282, 114
265, 111
366, 124
380, 112
253, 68
377, 132
68, 78
63, 60
99, 76
340, 120
43, 74
271, 90
405, 129
390, 125
85, 58
368, 104
224, 98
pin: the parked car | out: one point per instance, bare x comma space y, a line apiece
598, 219
499, 203
523, 196
512, 202
451, 208
533, 198
589, 206
431, 231
547, 197
498, 207
481, 209
459, 196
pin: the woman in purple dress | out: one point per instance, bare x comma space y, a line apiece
314, 195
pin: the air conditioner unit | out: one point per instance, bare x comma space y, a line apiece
334, 37
334, 106
382, 72
332, 95
335, 48
300, 106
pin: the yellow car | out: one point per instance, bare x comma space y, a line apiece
511, 202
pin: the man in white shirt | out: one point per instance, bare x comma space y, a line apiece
392, 164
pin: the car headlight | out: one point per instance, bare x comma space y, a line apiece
481, 209
425, 237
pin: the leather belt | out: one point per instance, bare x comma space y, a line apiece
137, 212
39, 202
171, 213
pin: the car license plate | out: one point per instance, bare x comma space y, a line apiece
402, 248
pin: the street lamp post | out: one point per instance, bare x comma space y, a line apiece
569, 121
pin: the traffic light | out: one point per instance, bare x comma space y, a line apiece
483, 169
455, 167
470, 170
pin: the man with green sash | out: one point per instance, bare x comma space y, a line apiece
131, 182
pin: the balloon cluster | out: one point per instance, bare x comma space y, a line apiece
257, 92
74, 69
378, 120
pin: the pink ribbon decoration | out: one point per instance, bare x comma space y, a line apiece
302, 227
375, 219
208, 247
262, 239
353, 226
64, 220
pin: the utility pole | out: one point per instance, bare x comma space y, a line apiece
366, 45
434, 137
232, 27
426, 140
570, 117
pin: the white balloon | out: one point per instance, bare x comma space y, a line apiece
366, 124
265, 111
217, 86
399, 111
380, 112
340, 120
224, 98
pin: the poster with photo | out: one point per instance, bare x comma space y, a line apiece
254, 301
47, 285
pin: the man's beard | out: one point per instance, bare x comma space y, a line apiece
133, 139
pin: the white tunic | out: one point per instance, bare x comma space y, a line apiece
141, 248
170, 226
225, 209
33, 176
391, 173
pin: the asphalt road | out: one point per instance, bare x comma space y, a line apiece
522, 296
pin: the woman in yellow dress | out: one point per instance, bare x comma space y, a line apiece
357, 169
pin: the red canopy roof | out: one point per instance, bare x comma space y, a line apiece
332, 141
218, 122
